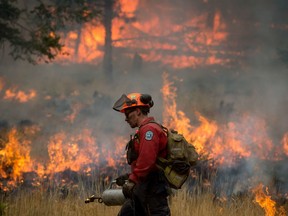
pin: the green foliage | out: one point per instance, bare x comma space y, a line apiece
31, 30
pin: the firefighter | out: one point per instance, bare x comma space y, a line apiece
145, 187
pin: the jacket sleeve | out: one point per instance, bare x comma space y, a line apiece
148, 152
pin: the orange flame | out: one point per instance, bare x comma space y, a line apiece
21, 96
264, 200
70, 152
15, 156
151, 36
246, 137
128, 7
78, 152
83, 46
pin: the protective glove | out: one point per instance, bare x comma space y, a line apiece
120, 181
127, 189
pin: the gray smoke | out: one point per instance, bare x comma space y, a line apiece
253, 80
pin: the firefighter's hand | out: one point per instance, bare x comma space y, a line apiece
120, 181
127, 189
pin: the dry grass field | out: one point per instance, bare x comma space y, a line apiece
40, 203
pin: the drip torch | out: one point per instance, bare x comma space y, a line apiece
112, 196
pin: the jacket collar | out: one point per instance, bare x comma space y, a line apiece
146, 121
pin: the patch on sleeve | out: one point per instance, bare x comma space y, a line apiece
149, 135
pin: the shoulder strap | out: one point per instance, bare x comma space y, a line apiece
163, 127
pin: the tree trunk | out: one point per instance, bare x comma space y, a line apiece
107, 61
78, 41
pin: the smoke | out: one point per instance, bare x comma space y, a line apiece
250, 78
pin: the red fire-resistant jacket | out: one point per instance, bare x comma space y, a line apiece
152, 144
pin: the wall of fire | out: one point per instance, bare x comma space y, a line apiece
224, 62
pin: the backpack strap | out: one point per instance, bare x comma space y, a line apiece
163, 127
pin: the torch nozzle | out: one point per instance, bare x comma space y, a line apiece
92, 198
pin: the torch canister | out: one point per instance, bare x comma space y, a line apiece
113, 196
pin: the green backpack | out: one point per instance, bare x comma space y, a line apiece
181, 155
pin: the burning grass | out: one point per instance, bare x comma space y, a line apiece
40, 202
240, 147
197, 197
